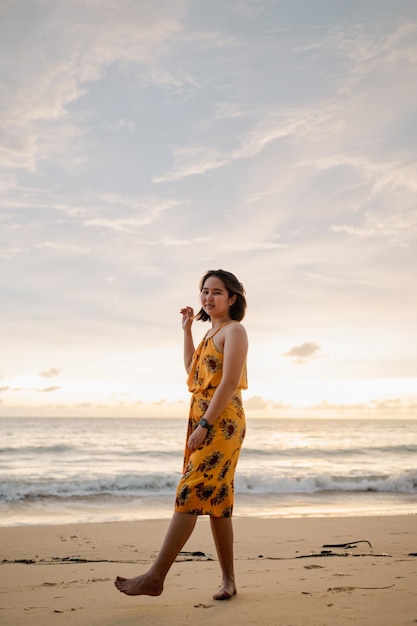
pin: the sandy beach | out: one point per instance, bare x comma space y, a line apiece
290, 572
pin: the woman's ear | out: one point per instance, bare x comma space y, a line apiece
232, 299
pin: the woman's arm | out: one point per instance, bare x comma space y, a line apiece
187, 321
234, 356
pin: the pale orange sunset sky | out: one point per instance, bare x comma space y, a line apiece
146, 142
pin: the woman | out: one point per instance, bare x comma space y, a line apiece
216, 429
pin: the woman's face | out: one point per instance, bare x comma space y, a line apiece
215, 298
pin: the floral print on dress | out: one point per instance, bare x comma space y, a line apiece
204, 492
210, 462
222, 494
224, 470
203, 405
183, 495
229, 428
212, 363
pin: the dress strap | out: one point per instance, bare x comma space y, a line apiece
207, 336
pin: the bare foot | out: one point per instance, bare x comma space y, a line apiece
226, 591
139, 586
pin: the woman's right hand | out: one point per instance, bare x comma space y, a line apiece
187, 317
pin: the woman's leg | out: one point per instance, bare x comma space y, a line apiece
152, 582
222, 530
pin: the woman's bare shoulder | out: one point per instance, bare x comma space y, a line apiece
235, 329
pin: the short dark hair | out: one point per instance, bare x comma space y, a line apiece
234, 287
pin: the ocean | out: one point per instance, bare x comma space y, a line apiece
57, 471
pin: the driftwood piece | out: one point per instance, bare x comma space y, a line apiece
348, 545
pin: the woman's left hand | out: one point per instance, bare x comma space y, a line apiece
196, 439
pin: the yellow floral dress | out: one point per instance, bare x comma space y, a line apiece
207, 484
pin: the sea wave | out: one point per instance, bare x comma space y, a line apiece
328, 451
131, 485
75, 452
403, 482
162, 483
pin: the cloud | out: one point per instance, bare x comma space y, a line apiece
69, 46
122, 212
113, 212
8, 253
56, 247
398, 173
256, 403
229, 110
280, 406
339, 407
250, 246
386, 205
301, 123
51, 373
123, 124
375, 408
193, 161
170, 242
304, 352
395, 405
398, 225
49, 389
373, 55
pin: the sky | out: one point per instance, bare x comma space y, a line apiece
145, 142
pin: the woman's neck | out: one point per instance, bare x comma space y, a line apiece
215, 323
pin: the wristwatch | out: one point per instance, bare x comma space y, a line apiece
204, 423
